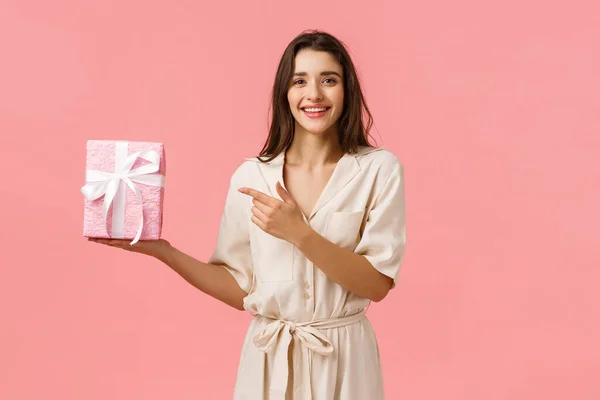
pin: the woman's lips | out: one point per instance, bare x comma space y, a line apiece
317, 114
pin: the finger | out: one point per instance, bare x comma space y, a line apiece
260, 196
262, 207
126, 244
259, 214
111, 242
285, 196
258, 222
99, 240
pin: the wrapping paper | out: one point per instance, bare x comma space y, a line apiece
118, 175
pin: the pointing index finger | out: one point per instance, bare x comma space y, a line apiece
260, 196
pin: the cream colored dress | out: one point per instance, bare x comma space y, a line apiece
309, 338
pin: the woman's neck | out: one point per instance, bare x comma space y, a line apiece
310, 150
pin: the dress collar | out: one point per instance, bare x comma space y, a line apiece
279, 159
345, 170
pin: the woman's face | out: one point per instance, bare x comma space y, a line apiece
316, 92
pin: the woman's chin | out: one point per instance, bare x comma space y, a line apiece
316, 130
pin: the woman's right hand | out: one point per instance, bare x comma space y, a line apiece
155, 248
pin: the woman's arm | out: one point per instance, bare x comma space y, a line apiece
211, 279
350, 270
370, 270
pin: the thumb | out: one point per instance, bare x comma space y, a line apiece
285, 196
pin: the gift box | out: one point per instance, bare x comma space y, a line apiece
124, 190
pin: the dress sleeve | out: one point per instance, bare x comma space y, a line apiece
383, 241
232, 249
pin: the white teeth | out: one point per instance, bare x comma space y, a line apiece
314, 109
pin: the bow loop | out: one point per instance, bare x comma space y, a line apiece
266, 338
314, 339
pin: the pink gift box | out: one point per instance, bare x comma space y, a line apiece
126, 213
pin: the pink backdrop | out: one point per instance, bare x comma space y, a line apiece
493, 110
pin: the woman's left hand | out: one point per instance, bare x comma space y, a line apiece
282, 219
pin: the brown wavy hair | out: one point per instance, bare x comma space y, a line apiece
355, 121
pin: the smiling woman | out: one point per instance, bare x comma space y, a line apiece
326, 85
326, 235
312, 231
319, 63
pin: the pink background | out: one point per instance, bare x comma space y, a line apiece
492, 108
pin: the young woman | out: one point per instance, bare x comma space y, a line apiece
312, 231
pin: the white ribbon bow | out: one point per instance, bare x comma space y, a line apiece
277, 336
100, 183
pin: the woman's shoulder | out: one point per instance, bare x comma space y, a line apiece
243, 171
378, 157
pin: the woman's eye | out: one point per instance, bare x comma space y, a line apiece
299, 81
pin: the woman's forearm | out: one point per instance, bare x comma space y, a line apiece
351, 271
211, 279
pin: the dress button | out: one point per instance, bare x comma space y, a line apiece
307, 296
307, 285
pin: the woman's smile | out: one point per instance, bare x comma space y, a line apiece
315, 112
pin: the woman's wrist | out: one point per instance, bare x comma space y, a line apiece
164, 251
302, 236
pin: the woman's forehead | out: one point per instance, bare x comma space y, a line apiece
311, 61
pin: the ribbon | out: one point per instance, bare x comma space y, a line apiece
110, 185
277, 336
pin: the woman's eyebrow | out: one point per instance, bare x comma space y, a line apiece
322, 73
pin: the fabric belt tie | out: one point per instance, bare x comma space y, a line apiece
277, 336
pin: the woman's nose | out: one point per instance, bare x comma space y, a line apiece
314, 92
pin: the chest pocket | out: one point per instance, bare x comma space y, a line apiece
343, 228
273, 257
